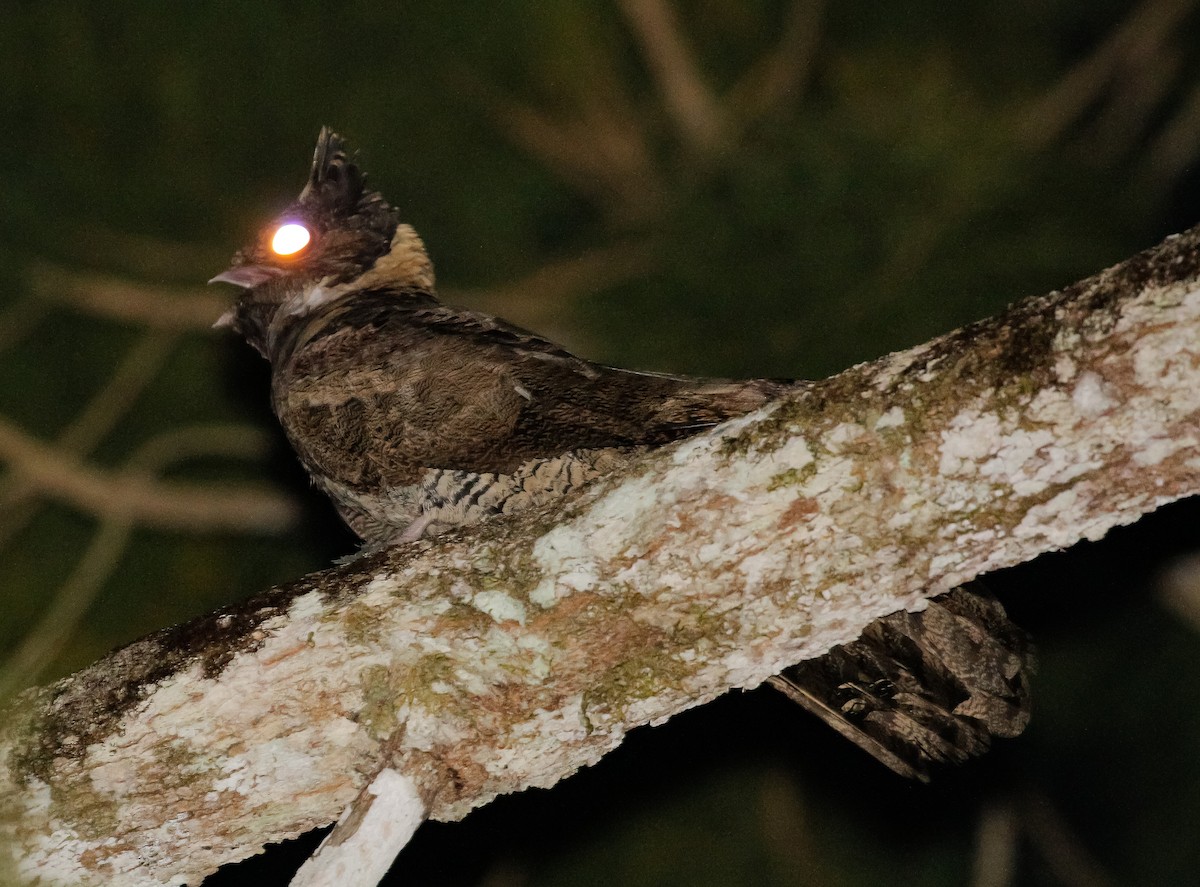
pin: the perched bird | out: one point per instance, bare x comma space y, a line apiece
415, 417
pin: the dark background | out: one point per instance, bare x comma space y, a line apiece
836, 182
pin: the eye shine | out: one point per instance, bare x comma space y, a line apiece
290, 239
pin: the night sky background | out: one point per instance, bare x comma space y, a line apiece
739, 188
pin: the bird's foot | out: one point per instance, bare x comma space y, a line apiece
413, 531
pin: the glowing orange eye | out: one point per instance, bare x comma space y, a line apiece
289, 239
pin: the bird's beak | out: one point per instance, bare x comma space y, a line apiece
247, 276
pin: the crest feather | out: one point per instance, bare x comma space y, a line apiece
334, 182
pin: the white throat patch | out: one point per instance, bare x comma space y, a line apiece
312, 297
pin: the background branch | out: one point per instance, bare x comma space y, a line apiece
133, 495
777, 80
1129, 49
118, 298
18, 491
680, 81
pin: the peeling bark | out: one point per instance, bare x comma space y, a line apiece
514, 654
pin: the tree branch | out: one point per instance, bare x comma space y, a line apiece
510, 656
777, 78
18, 493
1131, 45
536, 300
156, 307
134, 495
686, 98
600, 149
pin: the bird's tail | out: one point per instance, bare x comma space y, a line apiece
918, 689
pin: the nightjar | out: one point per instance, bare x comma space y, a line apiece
415, 417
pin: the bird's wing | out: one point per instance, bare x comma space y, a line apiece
391, 385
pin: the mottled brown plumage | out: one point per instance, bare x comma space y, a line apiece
415, 417
919, 689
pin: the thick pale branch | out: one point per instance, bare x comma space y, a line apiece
510, 657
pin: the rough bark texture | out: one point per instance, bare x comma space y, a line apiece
513, 655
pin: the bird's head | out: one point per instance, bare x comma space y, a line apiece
337, 237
